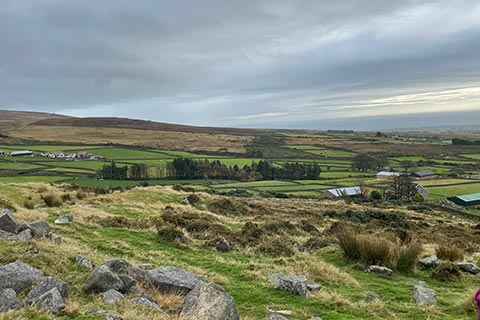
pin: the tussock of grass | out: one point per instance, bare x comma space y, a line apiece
449, 252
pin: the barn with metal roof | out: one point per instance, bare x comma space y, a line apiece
467, 200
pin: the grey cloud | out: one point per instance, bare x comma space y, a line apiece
220, 62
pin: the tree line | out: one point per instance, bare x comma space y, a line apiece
187, 168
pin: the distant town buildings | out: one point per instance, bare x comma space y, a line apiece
387, 175
424, 175
82, 155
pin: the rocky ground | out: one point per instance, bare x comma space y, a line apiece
168, 253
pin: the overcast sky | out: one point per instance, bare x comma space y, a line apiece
272, 63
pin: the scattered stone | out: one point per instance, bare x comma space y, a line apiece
64, 220
469, 267
314, 287
84, 262
24, 235
31, 249
18, 276
112, 296
102, 280
372, 295
54, 238
45, 286
223, 246
424, 296
274, 316
146, 302
315, 318
185, 201
172, 280
477, 275
296, 284
39, 228
209, 302
108, 315
8, 300
379, 270
282, 312
8, 223
428, 262
51, 301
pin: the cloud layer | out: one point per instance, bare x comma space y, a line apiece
240, 63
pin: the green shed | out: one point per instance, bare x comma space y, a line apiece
467, 200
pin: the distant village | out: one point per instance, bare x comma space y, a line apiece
81, 155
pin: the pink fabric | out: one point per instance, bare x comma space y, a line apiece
477, 302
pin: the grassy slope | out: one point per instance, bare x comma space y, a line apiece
242, 274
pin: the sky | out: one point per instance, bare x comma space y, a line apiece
253, 63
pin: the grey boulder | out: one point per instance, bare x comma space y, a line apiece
18, 276
296, 284
428, 262
171, 280
64, 220
45, 286
146, 302
469, 267
84, 262
223, 246
112, 296
39, 228
24, 235
8, 223
379, 270
101, 280
209, 302
424, 296
51, 301
8, 300
372, 295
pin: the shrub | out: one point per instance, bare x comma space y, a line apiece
406, 255
52, 200
66, 197
7, 204
81, 195
179, 187
365, 248
193, 199
447, 271
418, 198
115, 222
315, 243
102, 190
350, 244
276, 246
42, 189
375, 195
29, 204
250, 234
376, 251
449, 252
170, 233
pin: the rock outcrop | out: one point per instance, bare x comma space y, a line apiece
296, 284
18, 276
209, 302
384, 271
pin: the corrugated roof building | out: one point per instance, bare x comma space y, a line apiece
342, 192
467, 200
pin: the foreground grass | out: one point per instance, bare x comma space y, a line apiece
243, 274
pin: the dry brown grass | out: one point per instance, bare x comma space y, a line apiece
449, 252
171, 140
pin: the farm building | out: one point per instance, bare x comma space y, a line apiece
422, 191
342, 192
387, 175
424, 175
23, 153
467, 200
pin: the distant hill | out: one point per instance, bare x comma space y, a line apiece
13, 119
